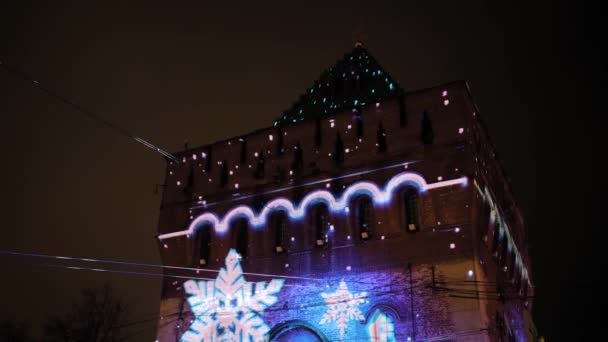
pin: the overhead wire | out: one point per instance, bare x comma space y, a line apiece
83, 110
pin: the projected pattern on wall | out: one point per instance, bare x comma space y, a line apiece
342, 306
229, 308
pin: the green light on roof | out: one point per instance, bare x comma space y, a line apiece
373, 91
324, 100
276, 123
311, 90
294, 120
379, 72
390, 86
356, 101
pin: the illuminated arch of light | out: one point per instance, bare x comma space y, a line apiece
380, 197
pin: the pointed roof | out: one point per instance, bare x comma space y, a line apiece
354, 81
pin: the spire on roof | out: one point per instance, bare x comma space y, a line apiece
354, 81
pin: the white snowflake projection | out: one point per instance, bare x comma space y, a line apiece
342, 306
228, 308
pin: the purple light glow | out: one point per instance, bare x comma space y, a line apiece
379, 197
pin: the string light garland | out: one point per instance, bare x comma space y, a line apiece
380, 197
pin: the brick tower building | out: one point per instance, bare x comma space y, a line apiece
364, 213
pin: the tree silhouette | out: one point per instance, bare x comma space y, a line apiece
99, 317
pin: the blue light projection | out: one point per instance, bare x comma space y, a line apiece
229, 308
342, 306
380, 328
379, 196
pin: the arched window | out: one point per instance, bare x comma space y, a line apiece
296, 331
380, 327
319, 221
278, 222
205, 245
224, 174
381, 138
240, 236
409, 204
364, 216
260, 166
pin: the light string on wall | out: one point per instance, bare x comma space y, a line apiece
504, 231
379, 197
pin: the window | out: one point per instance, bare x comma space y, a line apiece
205, 245
409, 201
240, 236
320, 215
364, 216
259, 166
224, 174
381, 138
279, 229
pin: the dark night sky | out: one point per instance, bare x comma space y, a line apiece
207, 72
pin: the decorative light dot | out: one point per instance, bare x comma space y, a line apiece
236, 185
327, 185
286, 265
377, 104
255, 154
179, 183
446, 102
231, 173
331, 124
200, 198
348, 268
194, 157
452, 245
219, 163
210, 180
170, 172
461, 130
203, 154
470, 273
445, 93
165, 245
293, 239
270, 137
329, 154
457, 230
348, 237
236, 166
290, 172
331, 227
183, 159
346, 209
349, 126
382, 237
439, 178
347, 150
250, 166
